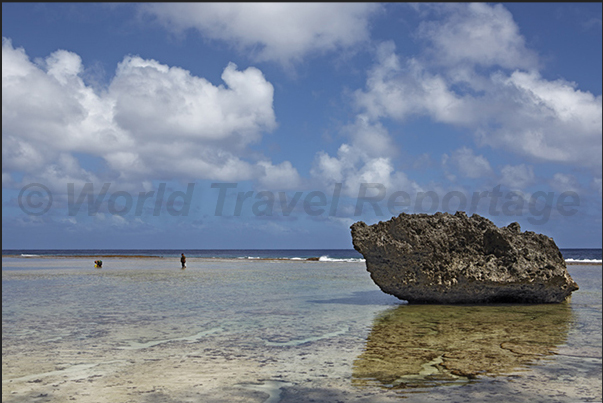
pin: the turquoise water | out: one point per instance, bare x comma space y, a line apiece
270, 331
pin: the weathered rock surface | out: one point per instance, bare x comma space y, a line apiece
452, 259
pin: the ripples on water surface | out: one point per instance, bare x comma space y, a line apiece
142, 330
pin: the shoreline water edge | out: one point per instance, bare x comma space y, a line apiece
590, 256
310, 259
279, 330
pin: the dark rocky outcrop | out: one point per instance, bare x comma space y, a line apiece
451, 259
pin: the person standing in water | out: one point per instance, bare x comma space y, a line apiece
183, 261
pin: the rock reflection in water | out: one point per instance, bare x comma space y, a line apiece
430, 345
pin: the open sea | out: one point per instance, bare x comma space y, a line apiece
279, 326
347, 255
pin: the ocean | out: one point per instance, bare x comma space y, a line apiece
274, 326
343, 255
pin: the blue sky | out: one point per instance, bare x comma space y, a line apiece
279, 125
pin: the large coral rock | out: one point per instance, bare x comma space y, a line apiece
449, 259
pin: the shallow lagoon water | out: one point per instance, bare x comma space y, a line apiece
142, 330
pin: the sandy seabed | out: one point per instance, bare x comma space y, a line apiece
232, 331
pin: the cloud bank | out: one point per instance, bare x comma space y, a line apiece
153, 121
285, 33
474, 72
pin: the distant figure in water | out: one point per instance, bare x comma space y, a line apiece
183, 261
98, 264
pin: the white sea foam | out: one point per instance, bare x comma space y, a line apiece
297, 259
331, 259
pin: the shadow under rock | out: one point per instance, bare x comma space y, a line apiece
376, 297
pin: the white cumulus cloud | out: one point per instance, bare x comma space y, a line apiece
282, 32
153, 121
506, 106
517, 176
477, 34
367, 158
469, 165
